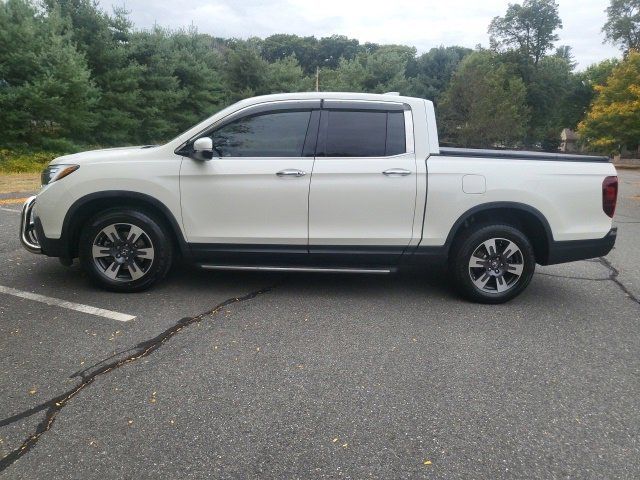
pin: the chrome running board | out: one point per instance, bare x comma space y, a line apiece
382, 271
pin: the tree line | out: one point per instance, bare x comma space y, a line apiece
73, 75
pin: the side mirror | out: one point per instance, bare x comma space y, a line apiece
203, 149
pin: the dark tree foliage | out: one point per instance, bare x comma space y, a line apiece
304, 49
623, 24
74, 76
312, 53
430, 73
47, 96
484, 105
529, 28
104, 41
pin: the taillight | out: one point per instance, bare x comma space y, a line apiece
609, 195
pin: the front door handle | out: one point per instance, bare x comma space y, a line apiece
291, 172
397, 172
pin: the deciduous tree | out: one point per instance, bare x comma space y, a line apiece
529, 28
623, 24
613, 122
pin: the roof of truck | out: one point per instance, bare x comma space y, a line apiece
381, 97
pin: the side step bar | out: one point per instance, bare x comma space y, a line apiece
382, 271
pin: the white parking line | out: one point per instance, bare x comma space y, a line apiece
9, 210
121, 317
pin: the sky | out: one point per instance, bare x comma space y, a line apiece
423, 24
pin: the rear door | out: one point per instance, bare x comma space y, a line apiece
363, 187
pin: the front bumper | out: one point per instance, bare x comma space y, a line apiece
28, 236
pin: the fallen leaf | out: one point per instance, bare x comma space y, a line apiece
130, 422
33, 391
335, 440
427, 462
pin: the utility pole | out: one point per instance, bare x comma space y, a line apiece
317, 79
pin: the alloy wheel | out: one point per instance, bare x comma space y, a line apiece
496, 265
122, 252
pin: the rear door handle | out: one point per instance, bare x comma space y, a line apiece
397, 172
291, 172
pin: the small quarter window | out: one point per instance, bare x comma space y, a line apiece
396, 139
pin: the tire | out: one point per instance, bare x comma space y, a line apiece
125, 250
492, 263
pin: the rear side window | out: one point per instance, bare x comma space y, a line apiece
396, 139
278, 134
352, 133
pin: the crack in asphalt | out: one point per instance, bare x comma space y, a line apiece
613, 276
141, 350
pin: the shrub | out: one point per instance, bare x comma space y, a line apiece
17, 162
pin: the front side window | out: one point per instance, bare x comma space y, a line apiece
278, 134
352, 133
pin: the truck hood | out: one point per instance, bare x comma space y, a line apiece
105, 154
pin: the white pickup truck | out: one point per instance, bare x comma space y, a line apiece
322, 182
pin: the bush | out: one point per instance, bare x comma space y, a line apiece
18, 162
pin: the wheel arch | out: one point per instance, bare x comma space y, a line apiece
525, 217
85, 207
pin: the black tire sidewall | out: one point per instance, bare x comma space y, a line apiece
466, 245
160, 237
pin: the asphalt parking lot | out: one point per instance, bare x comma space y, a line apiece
247, 375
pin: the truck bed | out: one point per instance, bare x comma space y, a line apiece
520, 155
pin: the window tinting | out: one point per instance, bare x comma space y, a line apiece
364, 133
396, 140
278, 134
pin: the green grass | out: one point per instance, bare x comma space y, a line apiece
12, 161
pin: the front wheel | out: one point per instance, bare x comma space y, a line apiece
492, 263
125, 250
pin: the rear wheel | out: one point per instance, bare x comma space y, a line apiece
492, 263
125, 250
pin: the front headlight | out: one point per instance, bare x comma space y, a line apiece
56, 172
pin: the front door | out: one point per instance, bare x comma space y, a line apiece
253, 195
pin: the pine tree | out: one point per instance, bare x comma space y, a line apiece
46, 91
484, 105
104, 40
